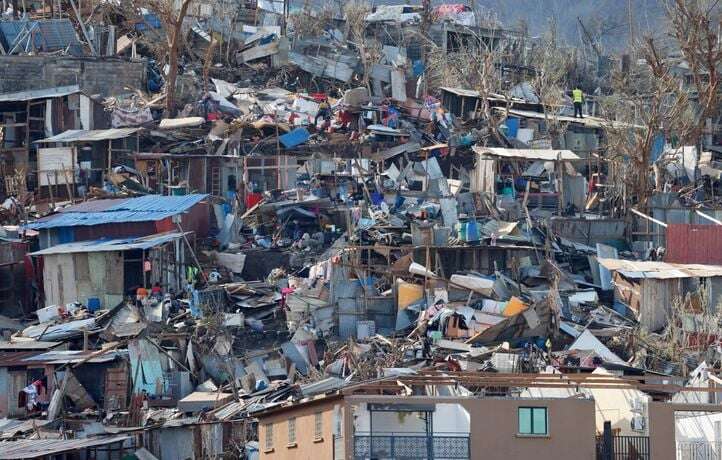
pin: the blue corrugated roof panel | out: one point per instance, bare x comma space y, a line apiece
159, 203
47, 35
147, 208
106, 245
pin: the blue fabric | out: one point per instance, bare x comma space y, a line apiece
195, 311
512, 125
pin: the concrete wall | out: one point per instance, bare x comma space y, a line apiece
104, 76
662, 436
447, 418
306, 447
494, 426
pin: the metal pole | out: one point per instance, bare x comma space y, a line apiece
82, 27
193, 253
708, 217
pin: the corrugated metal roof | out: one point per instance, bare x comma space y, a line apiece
694, 244
59, 331
16, 358
74, 356
588, 121
84, 135
159, 203
11, 427
461, 91
72, 219
34, 448
22, 96
149, 208
94, 205
527, 154
47, 35
28, 345
125, 244
660, 270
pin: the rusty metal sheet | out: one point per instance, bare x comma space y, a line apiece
694, 244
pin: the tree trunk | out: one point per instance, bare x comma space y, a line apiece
173, 52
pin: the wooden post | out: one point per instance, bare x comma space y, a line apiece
142, 267
560, 168
68, 187
50, 190
278, 155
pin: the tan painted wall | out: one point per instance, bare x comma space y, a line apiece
662, 442
494, 426
306, 447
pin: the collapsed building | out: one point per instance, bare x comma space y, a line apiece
317, 254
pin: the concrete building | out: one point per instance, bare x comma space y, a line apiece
433, 417
449, 427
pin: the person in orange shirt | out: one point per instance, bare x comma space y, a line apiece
141, 293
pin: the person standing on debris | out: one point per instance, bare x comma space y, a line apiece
155, 291
324, 112
578, 98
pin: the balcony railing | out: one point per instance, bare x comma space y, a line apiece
699, 450
450, 446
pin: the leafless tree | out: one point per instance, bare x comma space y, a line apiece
674, 92
647, 101
171, 15
310, 22
355, 13
552, 66
473, 65
695, 26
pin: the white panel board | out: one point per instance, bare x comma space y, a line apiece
52, 162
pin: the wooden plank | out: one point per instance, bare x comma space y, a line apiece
259, 52
116, 388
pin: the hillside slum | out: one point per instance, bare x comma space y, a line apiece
308, 224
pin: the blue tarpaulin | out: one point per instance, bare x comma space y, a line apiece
149, 21
512, 125
295, 137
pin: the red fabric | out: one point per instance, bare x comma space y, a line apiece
345, 117
252, 199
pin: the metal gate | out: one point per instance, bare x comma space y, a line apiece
623, 448
699, 450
